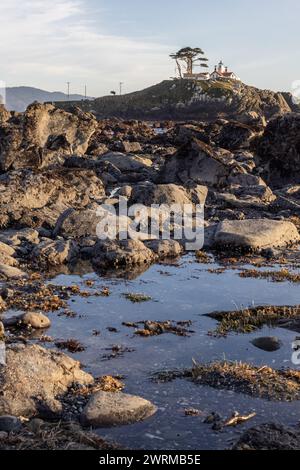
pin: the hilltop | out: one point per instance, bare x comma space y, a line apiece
190, 99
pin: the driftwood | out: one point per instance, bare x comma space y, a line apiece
237, 419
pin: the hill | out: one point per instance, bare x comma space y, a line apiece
186, 99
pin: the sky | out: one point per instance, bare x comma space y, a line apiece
100, 43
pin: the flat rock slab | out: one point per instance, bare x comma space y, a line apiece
106, 409
256, 234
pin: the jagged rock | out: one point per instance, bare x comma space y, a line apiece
106, 409
54, 253
200, 163
149, 194
118, 254
278, 150
34, 378
11, 272
256, 234
43, 134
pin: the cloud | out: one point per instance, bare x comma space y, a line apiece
46, 43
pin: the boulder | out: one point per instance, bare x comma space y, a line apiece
15, 238
118, 254
127, 163
106, 409
149, 194
54, 253
201, 164
255, 234
35, 320
10, 272
268, 344
235, 136
43, 134
34, 378
130, 147
165, 248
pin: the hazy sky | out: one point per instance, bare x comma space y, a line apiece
45, 43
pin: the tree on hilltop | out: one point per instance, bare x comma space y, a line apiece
190, 57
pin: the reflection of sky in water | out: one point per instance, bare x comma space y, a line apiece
184, 292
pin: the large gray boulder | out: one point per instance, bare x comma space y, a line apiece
34, 378
256, 234
106, 409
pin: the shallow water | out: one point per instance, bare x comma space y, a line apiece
186, 291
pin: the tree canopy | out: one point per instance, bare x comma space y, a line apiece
190, 57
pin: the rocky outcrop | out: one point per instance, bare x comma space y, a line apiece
278, 150
34, 378
40, 197
42, 135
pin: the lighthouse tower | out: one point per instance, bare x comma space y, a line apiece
221, 67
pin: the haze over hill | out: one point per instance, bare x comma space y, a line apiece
18, 98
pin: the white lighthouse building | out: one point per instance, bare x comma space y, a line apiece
222, 72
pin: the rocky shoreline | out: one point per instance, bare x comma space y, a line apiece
57, 167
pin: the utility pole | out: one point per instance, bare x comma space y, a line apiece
85, 92
68, 83
121, 87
